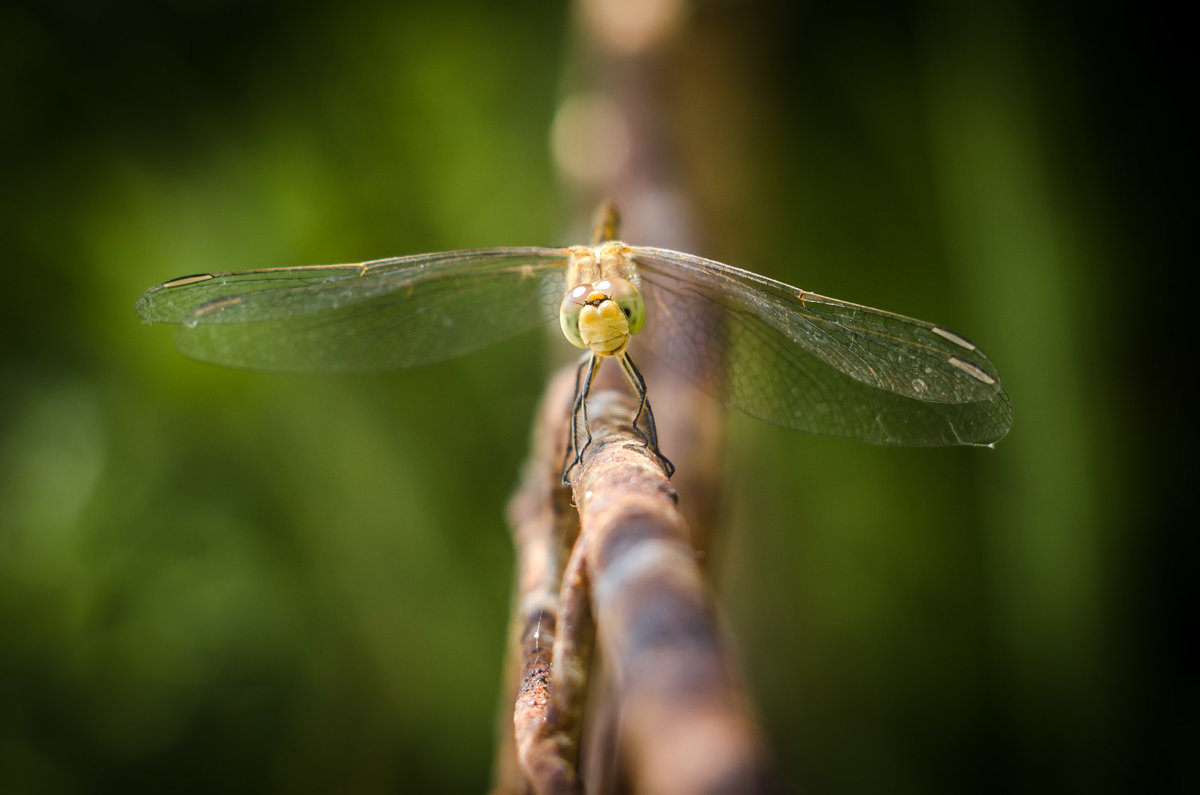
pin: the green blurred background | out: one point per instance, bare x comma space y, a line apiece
222, 580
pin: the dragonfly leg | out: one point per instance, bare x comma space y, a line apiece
594, 365
574, 451
650, 435
575, 398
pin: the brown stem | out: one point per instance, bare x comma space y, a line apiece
685, 722
544, 528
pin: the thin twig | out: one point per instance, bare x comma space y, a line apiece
544, 527
571, 668
685, 722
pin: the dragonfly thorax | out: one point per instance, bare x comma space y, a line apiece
591, 264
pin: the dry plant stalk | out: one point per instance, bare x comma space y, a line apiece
684, 724
544, 527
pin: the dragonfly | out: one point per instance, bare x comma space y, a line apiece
788, 356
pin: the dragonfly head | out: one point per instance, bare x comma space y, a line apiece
602, 316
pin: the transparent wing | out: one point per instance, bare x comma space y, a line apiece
816, 364
375, 315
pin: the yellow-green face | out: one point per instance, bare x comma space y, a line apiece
602, 316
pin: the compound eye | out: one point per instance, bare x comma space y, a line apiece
628, 298
568, 314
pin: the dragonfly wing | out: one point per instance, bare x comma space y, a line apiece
371, 316
817, 364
